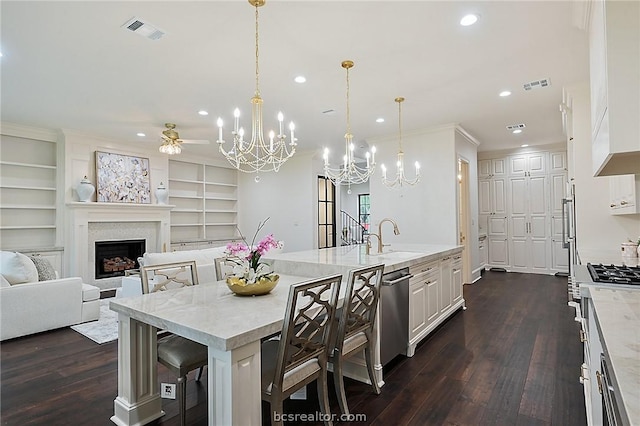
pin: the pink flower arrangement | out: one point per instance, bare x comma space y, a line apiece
246, 258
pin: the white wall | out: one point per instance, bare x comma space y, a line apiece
425, 213
599, 234
80, 161
467, 150
289, 197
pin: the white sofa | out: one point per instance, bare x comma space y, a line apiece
33, 306
205, 266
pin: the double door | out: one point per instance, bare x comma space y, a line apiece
529, 243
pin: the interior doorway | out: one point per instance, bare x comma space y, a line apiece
326, 213
464, 218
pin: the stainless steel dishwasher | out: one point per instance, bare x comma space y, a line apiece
394, 314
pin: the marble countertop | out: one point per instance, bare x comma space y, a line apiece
210, 313
618, 320
338, 259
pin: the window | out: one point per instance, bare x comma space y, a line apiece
326, 213
364, 209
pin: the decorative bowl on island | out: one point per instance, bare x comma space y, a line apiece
262, 286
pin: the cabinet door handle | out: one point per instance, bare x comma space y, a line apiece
599, 379
612, 205
623, 203
583, 336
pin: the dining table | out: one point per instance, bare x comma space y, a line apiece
231, 327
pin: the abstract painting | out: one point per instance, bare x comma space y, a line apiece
122, 178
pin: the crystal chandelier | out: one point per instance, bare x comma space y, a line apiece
257, 155
170, 147
400, 179
350, 172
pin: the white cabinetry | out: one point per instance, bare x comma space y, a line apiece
492, 168
590, 368
205, 199
624, 194
521, 212
483, 250
492, 209
435, 292
28, 193
528, 216
558, 191
531, 164
423, 298
614, 46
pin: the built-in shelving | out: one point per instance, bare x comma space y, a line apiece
205, 199
28, 193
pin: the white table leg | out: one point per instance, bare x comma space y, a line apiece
234, 386
138, 400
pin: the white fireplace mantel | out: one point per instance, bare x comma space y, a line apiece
81, 214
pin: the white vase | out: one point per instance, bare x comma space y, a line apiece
85, 190
162, 194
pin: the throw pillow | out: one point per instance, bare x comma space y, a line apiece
44, 268
17, 268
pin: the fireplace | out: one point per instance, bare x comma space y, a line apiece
113, 258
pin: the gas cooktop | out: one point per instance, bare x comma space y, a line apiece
614, 274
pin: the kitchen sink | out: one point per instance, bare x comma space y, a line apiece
396, 255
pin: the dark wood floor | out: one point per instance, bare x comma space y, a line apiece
512, 358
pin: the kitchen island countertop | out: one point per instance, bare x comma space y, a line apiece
338, 259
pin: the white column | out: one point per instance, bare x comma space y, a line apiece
234, 386
138, 401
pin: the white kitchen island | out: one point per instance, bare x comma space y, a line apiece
435, 288
232, 326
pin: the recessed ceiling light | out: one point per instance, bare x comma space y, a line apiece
516, 131
380, 120
141, 134
505, 93
203, 112
469, 19
524, 145
300, 79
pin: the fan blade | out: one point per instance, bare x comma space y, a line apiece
196, 141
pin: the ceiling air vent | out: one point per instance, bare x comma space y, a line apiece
538, 84
143, 28
516, 126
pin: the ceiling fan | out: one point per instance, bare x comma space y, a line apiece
172, 143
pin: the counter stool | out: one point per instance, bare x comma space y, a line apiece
180, 355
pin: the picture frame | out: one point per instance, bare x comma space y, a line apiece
122, 179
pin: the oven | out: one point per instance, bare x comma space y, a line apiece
610, 411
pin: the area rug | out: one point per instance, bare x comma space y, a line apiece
105, 329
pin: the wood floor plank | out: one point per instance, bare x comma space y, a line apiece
512, 358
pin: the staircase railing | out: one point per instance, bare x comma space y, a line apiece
353, 232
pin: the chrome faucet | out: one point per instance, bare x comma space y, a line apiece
395, 232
